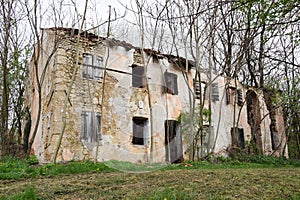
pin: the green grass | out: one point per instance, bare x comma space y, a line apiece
28, 194
172, 193
249, 177
18, 168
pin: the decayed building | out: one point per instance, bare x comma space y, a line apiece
122, 95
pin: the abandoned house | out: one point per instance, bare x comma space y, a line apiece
126, 104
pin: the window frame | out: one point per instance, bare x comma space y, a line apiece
140, 133
234, 95
92, 69
138, 79
171, 83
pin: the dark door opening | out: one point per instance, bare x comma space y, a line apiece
173, 142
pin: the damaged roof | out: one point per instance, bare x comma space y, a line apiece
177, 60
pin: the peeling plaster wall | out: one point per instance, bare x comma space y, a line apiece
122, 102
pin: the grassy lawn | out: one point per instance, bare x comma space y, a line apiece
199, 180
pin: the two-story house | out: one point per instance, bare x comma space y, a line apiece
126, 103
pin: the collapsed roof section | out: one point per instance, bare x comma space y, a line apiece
176, 60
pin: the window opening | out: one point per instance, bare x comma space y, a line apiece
233, 95
138, 76
171, 83
140, 131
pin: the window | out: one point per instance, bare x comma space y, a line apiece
171, 83
233, 95
140, 131
92, 66
91, 126
215, 92
138, 76
197, 87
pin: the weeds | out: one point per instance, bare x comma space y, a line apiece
16, 168
28, 194
168, 193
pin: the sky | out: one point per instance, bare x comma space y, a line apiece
68, 9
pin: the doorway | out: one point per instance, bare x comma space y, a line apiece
173, 142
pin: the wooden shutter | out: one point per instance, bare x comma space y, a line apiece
83, 126
97, 64
90, 126
87, 70
215, 92
240, 97
227, 96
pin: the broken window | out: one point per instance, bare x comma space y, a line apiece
238, 138
215, 92
92, 66
140, 131
199, 89
138, 76
234, 96
171, 83
91, 126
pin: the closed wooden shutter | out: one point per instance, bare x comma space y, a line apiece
240, 97
91, 126
215, 92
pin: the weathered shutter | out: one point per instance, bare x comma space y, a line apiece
215, 92
197, 89
203, 89
98, 131
98, 63
90, 126
83, 126
240, 97
87, 63
227, 96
